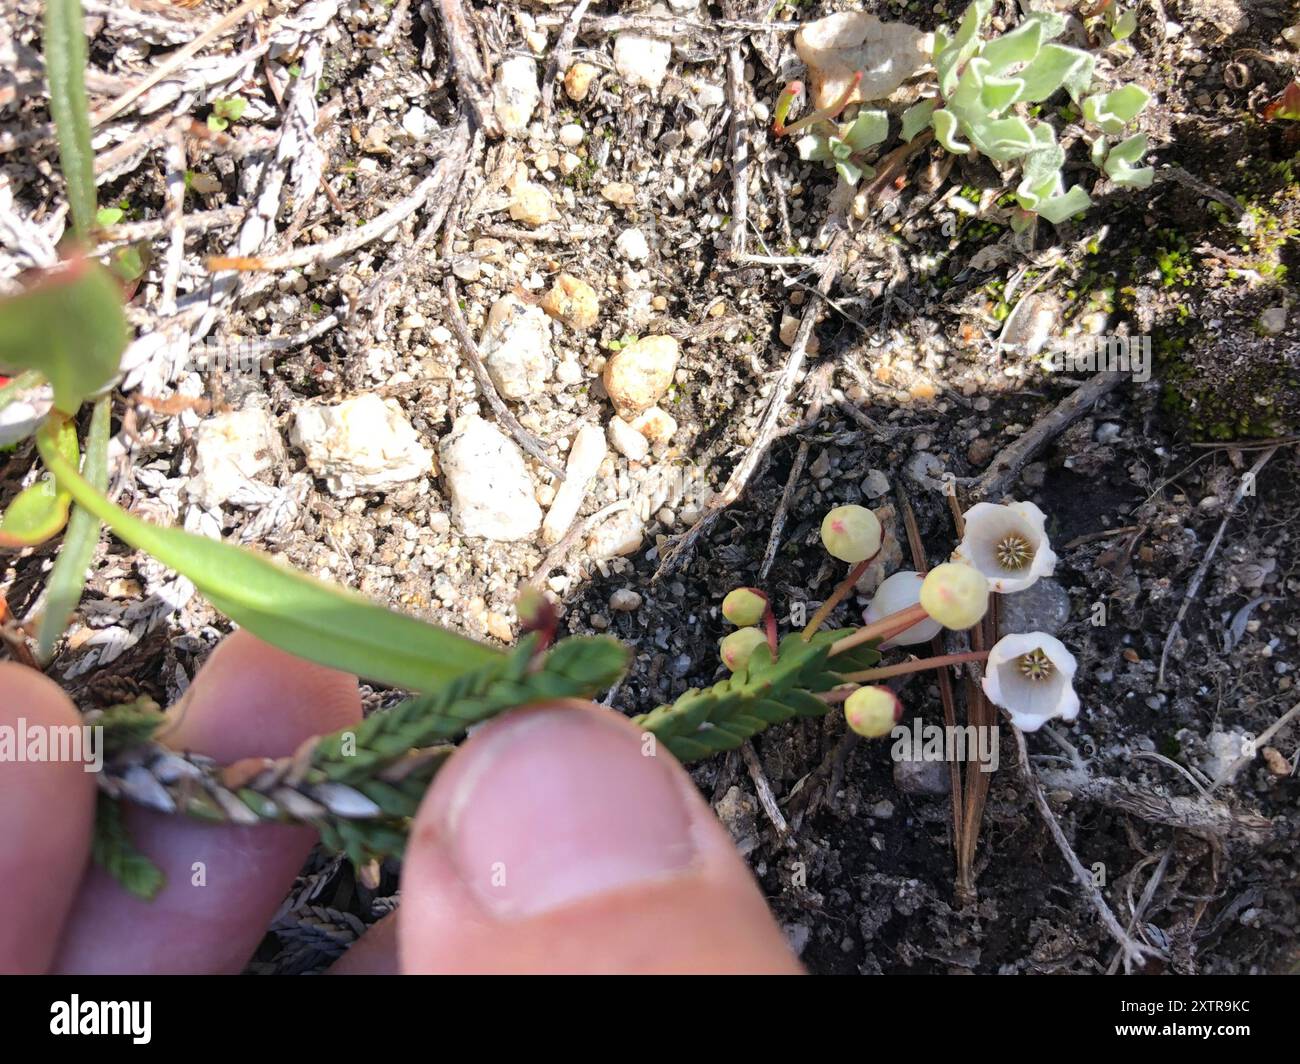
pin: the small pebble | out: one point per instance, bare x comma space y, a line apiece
625, 600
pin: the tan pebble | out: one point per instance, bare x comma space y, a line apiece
923, 391
1276, 761
656, 425
790, 326
638, 375
498, 627
531, 204
619, 193
578, 79
573, 302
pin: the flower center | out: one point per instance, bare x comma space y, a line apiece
1013, 551
1036, 665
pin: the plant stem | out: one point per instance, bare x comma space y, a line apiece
837, 596
833, 111
919, 665
885, 628
769, 626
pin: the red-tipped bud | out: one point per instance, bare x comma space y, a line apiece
955, 595
737, 648
851, 533
744, 606
872, 712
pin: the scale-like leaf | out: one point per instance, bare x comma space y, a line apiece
313, 620
1120, 159
1112, 111
1059, 208
917, 118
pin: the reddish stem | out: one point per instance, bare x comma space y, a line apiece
919, 665
885, 628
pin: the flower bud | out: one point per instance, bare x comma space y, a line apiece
744, 606
872, 712
955, 595
737, 647
851, 533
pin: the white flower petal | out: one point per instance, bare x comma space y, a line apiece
987, 525
1031, 703
896, 593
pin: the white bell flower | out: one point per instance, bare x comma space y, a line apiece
1031, 676
1008, 544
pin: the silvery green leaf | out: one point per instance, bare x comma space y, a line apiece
851, 172
1052, 22
867, 130
965, 102
839, 149
1000, 93
917, 118
945, 132
964, 44
1112, 111
1124, 23
1119, 163
1056, 66
1004, 140
1059, 208
813, 148
1018, 46
1098, 151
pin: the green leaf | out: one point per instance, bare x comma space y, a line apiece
1055, 67
1004, 140
1000, 93
964, 44
1112, 111
917, 118
289, 609
851, 172
70, 326
945, 132
1123, 22
1059, 208
107, 216
66, 60
867, 130
813, 148
1018, 46
1119, 163
840, 151
68, 576
38, 513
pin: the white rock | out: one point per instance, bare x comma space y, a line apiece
359, 445
418, 123
571, 134
632, 245
620, 535
569, 372
839, 46
585, 455
642, 60
516, 347
1273, 321
625, 600
697, 130
491, 492
24, 414
627, 441
515, 94
230, 450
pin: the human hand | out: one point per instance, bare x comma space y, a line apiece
551, 842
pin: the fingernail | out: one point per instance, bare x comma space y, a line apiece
555, 805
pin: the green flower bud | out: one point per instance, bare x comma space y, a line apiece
737, 647
955, 595
872, 712
744, 606
851, 533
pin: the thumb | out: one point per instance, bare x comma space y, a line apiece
560, 839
